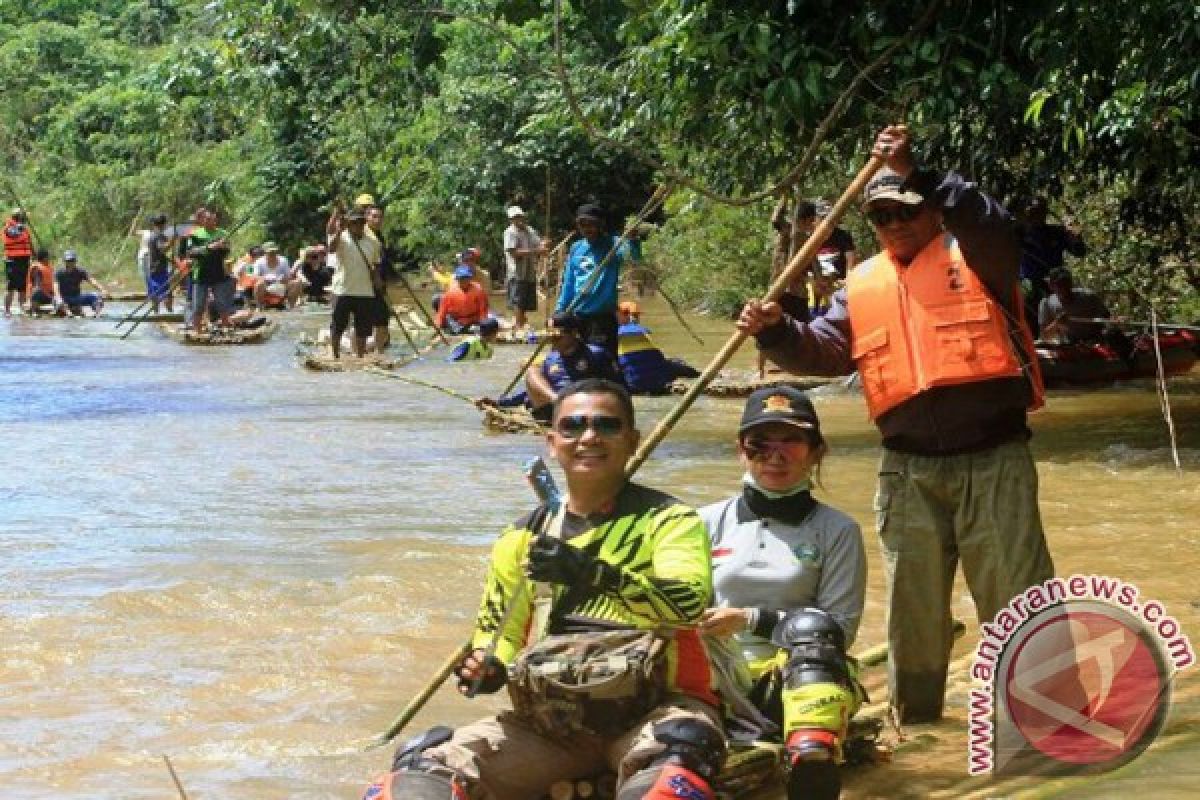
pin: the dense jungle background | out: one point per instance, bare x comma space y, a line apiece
450, 111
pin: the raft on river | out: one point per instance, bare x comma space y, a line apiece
322, 360
220, 336
735, 383
1095, 363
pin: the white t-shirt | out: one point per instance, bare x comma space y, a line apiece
521, 268
263, 269
352, 275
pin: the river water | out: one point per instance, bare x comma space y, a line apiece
213, 554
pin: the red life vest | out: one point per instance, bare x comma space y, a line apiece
932, 323
17, 241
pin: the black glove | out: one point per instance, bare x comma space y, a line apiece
554, 561
495, 675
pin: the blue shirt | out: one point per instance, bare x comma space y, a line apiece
645, 369
588, 361
582, 260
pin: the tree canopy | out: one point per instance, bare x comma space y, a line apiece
452, 110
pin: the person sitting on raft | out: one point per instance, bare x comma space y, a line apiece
608, 584
789, 580
479, 346
274, 286
70, 286
1066, 313
570, 359
313, 273
645, 368
40, 286
465, 304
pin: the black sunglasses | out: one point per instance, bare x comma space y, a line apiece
885, 216
573, 426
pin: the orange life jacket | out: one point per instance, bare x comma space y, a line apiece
248, 276
932, 323
19, 244
45, 273
468, 307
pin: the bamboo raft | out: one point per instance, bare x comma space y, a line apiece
216, 336
735, 383
512, 420
324, 362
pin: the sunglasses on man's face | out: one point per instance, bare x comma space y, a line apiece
573, 426
880, 217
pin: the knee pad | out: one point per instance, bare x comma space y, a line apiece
410, 785
415, 776
690, 743
666, 782
816, 648
408, 755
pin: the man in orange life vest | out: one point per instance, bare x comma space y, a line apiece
18, 251
935, 326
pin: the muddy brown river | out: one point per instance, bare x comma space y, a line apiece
213, 554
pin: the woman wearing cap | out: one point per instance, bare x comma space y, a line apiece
789, 572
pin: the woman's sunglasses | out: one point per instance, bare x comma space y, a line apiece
756, 448
886, 216
573, 426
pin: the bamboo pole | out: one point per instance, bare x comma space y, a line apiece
418, 702
175, 777
798, 263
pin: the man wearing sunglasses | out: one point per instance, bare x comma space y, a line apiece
934, 324
616, 557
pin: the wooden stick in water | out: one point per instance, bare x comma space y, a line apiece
175, 777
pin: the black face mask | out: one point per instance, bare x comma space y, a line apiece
792, 509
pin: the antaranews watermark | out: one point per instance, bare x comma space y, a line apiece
1073, 676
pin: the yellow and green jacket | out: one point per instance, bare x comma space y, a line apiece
662, 550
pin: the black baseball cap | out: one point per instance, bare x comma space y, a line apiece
566, 321
590, 211
779, 404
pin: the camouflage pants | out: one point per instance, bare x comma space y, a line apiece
932, 511
503, 758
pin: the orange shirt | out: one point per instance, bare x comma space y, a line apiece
45, 279
468, 307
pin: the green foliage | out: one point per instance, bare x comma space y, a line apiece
705, 256
452, 111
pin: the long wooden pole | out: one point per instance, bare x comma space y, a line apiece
175, 777
418, 702
798, 263
424, 312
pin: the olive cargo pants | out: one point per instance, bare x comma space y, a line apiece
932, 511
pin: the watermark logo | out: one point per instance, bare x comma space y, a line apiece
1073, 676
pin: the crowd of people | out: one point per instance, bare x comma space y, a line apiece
36, 285
641, 638
638, 636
